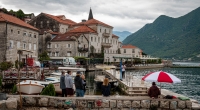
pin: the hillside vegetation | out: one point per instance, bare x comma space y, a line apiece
167, 37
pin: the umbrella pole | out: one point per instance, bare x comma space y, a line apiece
160, 88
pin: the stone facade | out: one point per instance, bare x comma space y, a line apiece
15, 38
97, 102
45, 23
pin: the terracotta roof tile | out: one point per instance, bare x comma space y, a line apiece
129, 46
83, 29
115, 36
58, 18
11, 19
93, 21
66, 37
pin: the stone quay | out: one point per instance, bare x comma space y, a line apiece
40, 102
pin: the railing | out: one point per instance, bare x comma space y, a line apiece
29, 74
106, 34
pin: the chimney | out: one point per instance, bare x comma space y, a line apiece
83, 20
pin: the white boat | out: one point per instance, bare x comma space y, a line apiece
55, 77
30, 87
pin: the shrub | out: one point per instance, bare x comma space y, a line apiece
14, 89
49, 90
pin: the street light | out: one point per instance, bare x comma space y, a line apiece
20, 52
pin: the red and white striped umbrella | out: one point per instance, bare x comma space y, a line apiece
161, 76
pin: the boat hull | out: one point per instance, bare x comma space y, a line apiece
30, 88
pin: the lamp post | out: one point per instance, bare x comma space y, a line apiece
20, 52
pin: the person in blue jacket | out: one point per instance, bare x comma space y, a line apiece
106, 88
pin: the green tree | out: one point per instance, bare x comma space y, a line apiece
20, 14
5, 65
43, 56
12, 12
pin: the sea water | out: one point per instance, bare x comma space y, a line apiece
189, 86
190, 80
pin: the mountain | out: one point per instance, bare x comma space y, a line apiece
122, 35
168, 37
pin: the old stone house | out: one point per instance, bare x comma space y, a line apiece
72, 43
49, 26
16, 35
95, 33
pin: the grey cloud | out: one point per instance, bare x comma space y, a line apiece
138, 12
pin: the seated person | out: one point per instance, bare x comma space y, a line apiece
153, 91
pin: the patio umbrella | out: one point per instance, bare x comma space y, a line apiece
161, 76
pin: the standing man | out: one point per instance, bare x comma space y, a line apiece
79, 85
62, 84
69, 84
123, 71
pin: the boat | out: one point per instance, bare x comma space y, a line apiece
54, 77
30, 87
100, 77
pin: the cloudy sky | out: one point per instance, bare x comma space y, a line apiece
123, 15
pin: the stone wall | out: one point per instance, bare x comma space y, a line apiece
93, 102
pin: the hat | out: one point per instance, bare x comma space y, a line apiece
153, 83
78, 72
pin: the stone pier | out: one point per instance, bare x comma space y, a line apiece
34, 102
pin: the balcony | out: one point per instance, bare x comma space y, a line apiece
106, 35
82, 49
106, 45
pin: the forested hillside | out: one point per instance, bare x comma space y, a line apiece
168, 37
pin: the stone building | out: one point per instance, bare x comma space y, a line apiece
49, 26
72, 43
78, 38
16, 35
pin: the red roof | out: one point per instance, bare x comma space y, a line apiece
11, 19
66, 37
58, 18
83, 29
128, 46
115, 36
93, 21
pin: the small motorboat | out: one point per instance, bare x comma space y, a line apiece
30, 87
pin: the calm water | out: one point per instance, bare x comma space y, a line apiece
189, 86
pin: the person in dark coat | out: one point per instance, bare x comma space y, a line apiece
154, 91
79, 85
84, 83
62, 84
105, 88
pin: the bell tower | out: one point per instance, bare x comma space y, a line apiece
90, 15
